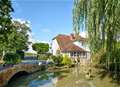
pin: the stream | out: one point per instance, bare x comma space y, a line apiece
72, 77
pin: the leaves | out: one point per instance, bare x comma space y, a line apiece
41, 47
13, 34
102, 22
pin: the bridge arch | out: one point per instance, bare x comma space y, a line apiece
16, 75
7, 74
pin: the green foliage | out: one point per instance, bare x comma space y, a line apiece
30, 54
101, 20
19, 36
41, 47
13, 34
5, 24
57, 59
66, 60
21, 54
12, 58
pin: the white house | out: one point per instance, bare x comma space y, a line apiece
73, 46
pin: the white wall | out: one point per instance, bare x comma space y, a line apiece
82, 45
55, 47
68, 54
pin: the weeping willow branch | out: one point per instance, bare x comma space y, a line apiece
101, 20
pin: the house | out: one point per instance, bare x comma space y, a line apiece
73, 46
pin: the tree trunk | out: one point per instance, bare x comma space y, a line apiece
3, 54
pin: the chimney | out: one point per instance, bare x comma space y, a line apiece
72, 36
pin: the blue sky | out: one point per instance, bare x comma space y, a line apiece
47, 17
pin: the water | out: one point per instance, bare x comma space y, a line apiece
74, 77
38, 79
65, 78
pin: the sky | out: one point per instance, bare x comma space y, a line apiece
47, 18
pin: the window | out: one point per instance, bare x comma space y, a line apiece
75, 54
83, 53
71, 54
78, 53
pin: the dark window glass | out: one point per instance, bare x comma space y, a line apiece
71, 54
83, 53
74, 53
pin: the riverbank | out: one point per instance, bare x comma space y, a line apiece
77, 78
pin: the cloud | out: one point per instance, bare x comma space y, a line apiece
22, 21
46, 30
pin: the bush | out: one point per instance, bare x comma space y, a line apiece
12, 58
57, 59
66, 60
21, 54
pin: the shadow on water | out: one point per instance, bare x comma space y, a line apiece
38, 79
16, 76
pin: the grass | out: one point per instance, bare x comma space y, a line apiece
30, 54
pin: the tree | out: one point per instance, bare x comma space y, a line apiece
102, 23
5, 24
19, 37
13, 34
40, 47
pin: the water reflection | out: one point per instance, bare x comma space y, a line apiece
44, 80
39, 79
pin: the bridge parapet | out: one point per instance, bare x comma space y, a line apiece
8, 73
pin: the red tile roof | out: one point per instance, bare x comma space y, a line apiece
66, 43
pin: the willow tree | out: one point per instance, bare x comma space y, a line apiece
102, 23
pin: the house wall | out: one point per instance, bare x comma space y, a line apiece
55, 47
82, 45
68, 54
83, 59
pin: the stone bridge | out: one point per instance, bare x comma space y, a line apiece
7, 73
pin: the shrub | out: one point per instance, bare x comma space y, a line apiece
66, 60
12, 58
57, 59
20, 53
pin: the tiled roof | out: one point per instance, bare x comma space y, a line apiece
66, 43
